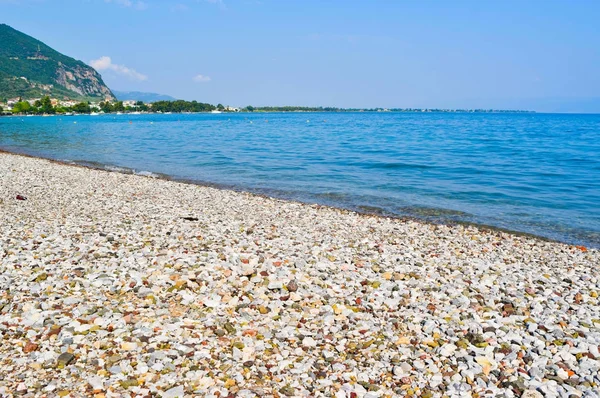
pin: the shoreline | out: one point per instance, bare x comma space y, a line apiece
259, 112
114, 284
381, 213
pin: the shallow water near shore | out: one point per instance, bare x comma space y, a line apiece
533, 173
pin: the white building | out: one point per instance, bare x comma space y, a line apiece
68, 103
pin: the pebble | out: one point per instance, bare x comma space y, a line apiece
107, 289
175, 392
64, 359
531, 394
292, 286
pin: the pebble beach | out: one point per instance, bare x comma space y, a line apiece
117, 285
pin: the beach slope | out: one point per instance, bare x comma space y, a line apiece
122, 285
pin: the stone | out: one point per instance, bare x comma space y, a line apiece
315, 301
175, 392
531, 394
64, 359
128, 383
292, 286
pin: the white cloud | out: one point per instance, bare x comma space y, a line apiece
201, 79
220, 3
105, 63
179, 7
138, 5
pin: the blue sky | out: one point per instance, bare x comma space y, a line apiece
505, 54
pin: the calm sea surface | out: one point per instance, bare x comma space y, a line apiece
535, 173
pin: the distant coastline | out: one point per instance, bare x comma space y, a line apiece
411, 110
52, 106
458, 111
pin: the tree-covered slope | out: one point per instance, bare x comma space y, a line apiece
30, 69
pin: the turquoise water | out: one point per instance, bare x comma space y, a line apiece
534, 173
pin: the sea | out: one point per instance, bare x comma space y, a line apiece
526, 172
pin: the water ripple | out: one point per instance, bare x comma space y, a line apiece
535, 173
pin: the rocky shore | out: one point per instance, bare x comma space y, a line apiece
115, 285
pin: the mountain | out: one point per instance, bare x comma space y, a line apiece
139, 96
31, 69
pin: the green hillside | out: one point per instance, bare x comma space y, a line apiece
31, 69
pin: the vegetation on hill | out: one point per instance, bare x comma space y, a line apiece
44, 106
31, 69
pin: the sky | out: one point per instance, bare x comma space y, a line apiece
535, 54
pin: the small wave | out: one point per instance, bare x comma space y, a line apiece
393, 165
102, 166
333, 195
119, 169
116, 169
145, 173
426, 212
373, 210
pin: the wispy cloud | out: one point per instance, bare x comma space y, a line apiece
105, 63
136, 4
201, 79
179, 7
220, 3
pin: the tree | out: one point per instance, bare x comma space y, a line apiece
46, 106
82, 107
220, 107
118, 106
106, 107
250, 108
37, 103
22, 107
